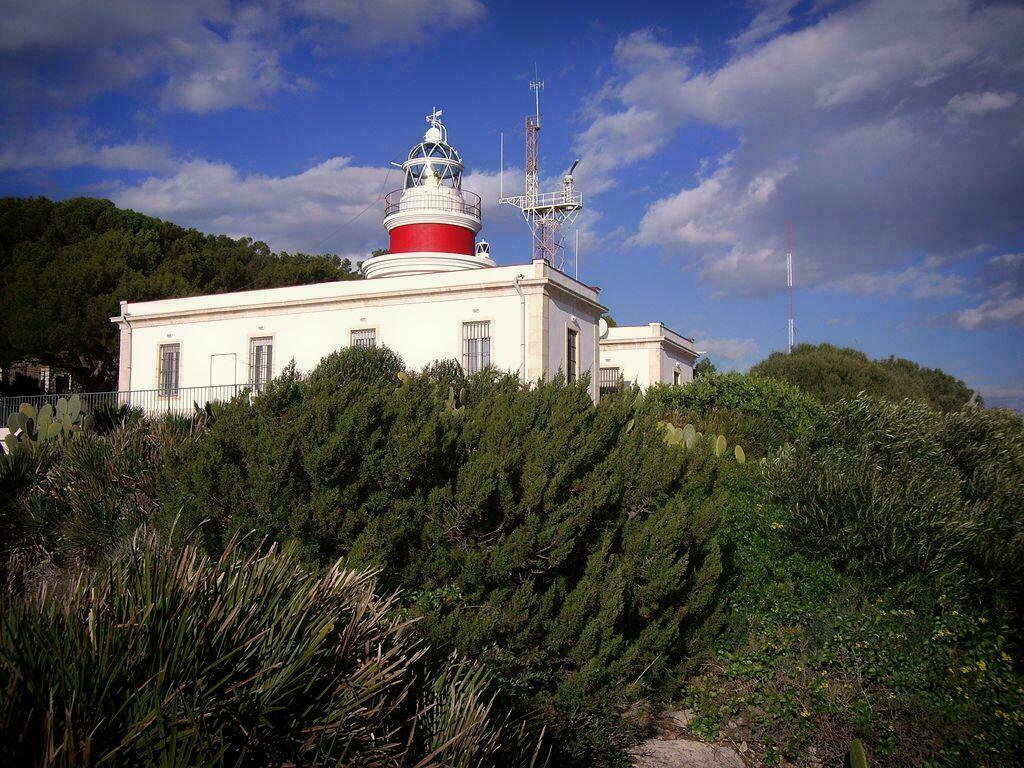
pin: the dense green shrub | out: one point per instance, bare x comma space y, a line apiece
166, 657
898, 491
815, 659
759, 412
565, 544
833, 373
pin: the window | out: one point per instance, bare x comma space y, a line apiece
476, 347
261, 362
677, 377
170, 357
571, 362
611, 381
364, 337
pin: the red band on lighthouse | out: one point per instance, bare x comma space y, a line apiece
432, 238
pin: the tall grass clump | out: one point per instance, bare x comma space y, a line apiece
70, 501
904, 494
164, 656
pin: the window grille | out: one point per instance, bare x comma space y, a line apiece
364, 337
261, 362
611, 381
167, 376
571, 362
476, 346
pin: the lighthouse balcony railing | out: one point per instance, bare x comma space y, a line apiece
449, 201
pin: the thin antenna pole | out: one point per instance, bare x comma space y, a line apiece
501, 166
789, 281
577, 254
537, 84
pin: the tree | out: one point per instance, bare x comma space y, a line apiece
833, 373
67, 265
704, 367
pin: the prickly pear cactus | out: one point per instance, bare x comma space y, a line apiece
720, 445
857, 756
28, 426
741, 457
689, 435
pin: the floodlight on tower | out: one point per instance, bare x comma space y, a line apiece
546, 213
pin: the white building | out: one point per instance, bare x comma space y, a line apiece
436, 295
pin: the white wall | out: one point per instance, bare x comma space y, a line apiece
670, 359
648, 354
216, 351
633, 362
563, 314
420, 317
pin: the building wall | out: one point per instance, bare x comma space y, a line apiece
565, 313
648, 354
216, 351
669, 360
419, 317
633, 362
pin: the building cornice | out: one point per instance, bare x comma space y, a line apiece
530, 284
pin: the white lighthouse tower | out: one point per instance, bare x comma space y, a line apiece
432, 221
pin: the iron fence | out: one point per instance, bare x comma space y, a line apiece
457, 201
152, 402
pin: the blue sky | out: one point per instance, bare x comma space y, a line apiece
892, 134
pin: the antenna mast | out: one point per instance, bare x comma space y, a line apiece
789, 280
545, 212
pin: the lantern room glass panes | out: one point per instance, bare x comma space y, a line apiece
433, 159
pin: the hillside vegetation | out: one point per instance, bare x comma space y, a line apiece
511, 572
833, 373
67, 265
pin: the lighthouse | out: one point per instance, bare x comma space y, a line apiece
432, 221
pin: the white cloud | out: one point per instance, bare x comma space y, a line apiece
211, 72
1003, 300
370, 23
333, 206
65, 148
211, 55
965, 104
992, 312
728, 349
841, 126
919, 282
772, 16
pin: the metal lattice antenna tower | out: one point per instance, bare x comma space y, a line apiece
546, 213
789, 281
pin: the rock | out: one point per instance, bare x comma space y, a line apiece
743, 747
680, 718
683, 753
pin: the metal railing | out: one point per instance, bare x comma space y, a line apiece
152, 402
456, 201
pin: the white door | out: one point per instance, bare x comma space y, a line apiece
223, 369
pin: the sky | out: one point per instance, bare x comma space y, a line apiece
891, 134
